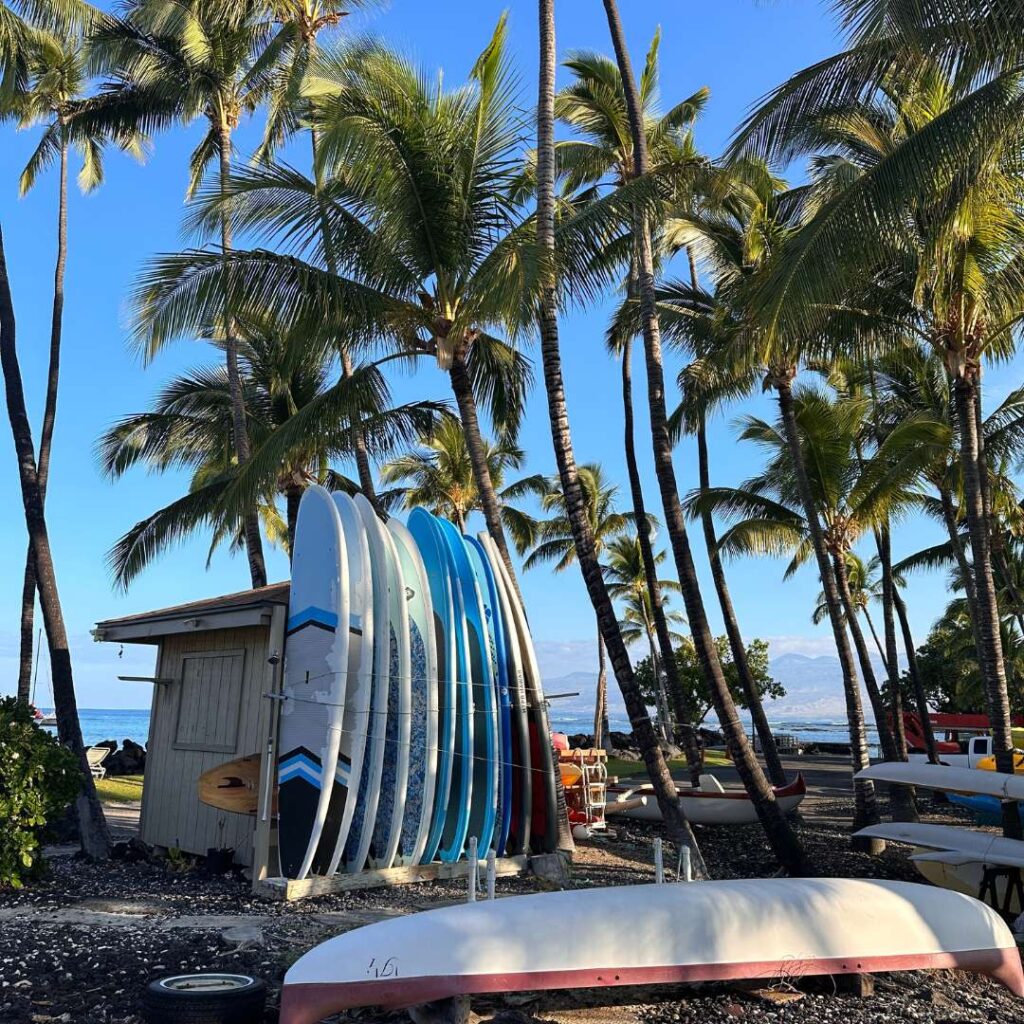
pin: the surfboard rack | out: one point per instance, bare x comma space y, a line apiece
288, 889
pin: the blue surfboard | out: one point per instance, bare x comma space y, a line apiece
484, 763
433, 552
499, 670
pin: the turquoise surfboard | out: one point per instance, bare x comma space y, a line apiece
484, 763
499, 670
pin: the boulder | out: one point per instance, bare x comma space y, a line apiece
129, 760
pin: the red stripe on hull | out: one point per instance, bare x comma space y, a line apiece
310, 1003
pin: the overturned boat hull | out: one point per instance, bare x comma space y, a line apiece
946, 779
700, 806
687, 932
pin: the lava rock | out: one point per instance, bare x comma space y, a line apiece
129, 760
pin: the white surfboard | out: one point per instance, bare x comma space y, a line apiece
678, 933
395, 771
423, 739
361, 836
360, 665
947, 779
313, 782
986, 846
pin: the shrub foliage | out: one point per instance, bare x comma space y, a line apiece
38, 779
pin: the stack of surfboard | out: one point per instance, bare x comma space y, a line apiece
413, 716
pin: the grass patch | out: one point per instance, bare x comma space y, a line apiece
677, 766
121, 789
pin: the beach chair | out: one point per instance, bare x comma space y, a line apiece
96, 757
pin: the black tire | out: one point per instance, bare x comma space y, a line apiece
208, 998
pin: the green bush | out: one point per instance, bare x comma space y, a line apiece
38, 779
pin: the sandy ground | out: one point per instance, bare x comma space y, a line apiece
79, 946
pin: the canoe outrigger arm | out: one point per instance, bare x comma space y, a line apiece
705, 931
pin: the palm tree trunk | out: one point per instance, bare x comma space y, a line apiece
293, 498
902, 804
874, 636
990, 648
891, 659
920, 698
691, 748
240, 429
664, 717
462, 387
966, 570
780, 835
664, 787
28, 594
601, 702
865, 806
92, 826
772, 761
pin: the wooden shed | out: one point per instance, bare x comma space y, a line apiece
218, 672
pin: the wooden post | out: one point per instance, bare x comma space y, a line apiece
474, 869
268, 723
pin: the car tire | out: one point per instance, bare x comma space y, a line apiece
207, 998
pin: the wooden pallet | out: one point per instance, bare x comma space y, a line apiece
287, 889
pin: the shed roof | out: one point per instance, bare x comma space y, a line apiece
244, 608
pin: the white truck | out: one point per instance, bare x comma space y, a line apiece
972, 750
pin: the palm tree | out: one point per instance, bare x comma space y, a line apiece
934, 222
780, 835
561, 439
555, 543
190, 427
92, 825
54, 88
175, 61
438, 475
427, 245
626, 573
850, 494
704, 385
865, 584
602, 154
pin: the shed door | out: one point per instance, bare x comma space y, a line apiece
210, 701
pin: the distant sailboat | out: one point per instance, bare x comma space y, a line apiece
39, 716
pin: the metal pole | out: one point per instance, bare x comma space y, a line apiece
474, 867
659, 863
684, 858
492, 871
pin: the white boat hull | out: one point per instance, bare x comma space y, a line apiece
732, 807
986, 847
685, 932
947, 779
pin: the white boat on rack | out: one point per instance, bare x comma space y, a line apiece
708, 804
947, 779
685, 932
984, 847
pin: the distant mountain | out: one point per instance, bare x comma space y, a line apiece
814, 690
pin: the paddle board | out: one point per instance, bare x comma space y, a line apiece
701, 931
499, 672
432, 551
423, 738
522, 781
360, 667
395, 772
233, 786
357, 850
543, 817
312, 777
456, 825
484, 766
987, 810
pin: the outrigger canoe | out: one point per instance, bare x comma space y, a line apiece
947, 779
709, 804
678, 933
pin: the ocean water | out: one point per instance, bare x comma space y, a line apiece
112, 724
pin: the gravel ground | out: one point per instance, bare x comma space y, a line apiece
79, 946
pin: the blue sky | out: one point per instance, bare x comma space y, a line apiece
738, 48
